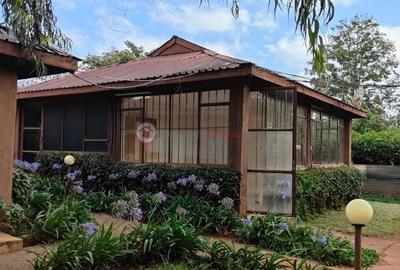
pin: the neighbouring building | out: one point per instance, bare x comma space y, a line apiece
16, 63
185, 104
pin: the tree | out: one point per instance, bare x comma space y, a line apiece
34, 24
114, 56
360, 66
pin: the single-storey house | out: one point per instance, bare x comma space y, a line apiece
185, 104
17, 63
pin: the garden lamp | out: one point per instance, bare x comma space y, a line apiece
359, 213
69, 160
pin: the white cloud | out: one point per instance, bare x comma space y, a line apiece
344, 2
393, 34
115, 29
192, 19
65, 4
264, 20
290, 51
220, 47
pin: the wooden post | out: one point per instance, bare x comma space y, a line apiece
238, 130
347, 142
8, 103
357, 247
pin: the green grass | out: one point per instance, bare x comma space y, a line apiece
385, 222
376, 197
170, 267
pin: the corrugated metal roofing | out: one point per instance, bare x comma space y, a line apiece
7, 35
143, 69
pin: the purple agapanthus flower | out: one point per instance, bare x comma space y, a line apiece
91, 178
151, 177
113, 176
56, 166
199, 185
136, 214
160, 197
71, 176
213, 189
133, 174
34, 166
77, 189
284, 226
247, 222
323, 240
89, 227
227, 202
192, 179
183, 181
171, 185
77, 173
18, 163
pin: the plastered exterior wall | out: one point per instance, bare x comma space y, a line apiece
8, 101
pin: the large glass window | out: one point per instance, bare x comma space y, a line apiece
301, 136
31, 131
178, 120
327, 135
270, 151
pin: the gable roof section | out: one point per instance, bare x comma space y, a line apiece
177, 59
176, 45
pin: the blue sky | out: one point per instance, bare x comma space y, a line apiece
96, 25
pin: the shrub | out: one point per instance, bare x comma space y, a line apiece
98, 172
84, 251
325, 188
272, 232
377, 147
21, 186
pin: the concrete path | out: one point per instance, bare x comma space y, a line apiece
388, 249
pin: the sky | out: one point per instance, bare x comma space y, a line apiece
257, 35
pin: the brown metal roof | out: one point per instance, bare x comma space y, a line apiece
143, 69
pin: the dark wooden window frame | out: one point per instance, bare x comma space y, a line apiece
200, 105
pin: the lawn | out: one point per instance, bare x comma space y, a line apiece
385, 222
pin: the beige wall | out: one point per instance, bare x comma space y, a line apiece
8, 97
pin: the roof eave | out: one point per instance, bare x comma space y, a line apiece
284, 82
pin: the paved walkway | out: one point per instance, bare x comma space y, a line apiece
388, 249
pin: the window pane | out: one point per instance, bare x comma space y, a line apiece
184, 133
96, 146
52, 127
73, 127
31, 139
32, 115
215, 96
29, 156
130, 145
96, 118
271, 109
271, 150
325, 138
157, 113
214, 134
316, 141
132, 102
301, 143
340, 144
269, 192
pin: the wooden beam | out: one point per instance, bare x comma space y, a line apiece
49, 59
238, 134
284, 82
347, 142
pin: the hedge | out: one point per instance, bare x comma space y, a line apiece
377, 147
326, 188
119, 176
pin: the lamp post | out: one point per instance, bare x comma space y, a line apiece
69, 160
359, 213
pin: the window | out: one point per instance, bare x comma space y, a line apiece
270, 151
178, 120
76, 127
327, 135
301, 136
31, 131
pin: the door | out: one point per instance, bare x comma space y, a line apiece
271, 162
